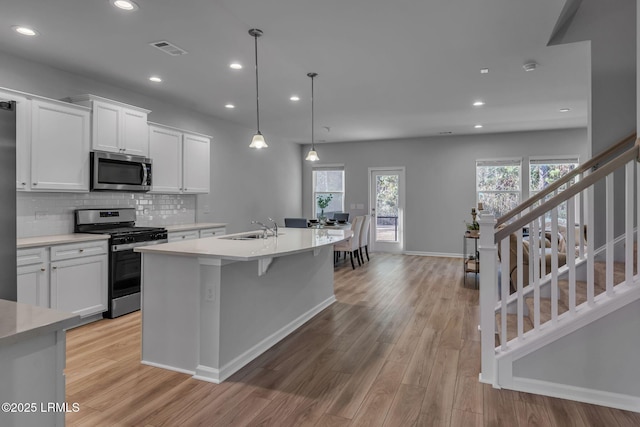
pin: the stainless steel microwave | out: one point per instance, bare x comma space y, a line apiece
120, 172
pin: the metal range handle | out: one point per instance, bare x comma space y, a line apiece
129, 246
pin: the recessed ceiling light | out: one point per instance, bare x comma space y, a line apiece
229, 106
478, 126
235, 66
295, 98
155, 79
25, 31
484, 71
478, 103
565, 110
127, 5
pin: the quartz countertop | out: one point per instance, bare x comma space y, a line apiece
19, 321
30, 242
195, 226
289, 241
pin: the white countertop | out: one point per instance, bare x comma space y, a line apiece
30, 242
289, 241
195, 226
22, 321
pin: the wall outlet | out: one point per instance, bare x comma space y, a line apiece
210, 295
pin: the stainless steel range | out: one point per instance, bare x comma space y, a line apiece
124, 263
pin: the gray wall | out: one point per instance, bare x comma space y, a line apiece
440, 176
610, 29
245, 184
601, 356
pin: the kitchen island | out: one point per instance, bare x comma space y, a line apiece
210, 306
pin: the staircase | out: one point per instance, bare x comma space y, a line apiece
566, 327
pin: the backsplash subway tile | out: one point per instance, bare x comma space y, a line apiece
44, 214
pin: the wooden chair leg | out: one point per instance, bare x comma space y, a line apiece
352, 264
366, 249
358, 256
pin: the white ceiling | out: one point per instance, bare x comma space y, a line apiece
387, 69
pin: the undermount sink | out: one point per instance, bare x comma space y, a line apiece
252, 236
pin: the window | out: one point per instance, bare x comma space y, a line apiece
328, 183
544, 171
498, 184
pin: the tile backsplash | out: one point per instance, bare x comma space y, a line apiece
43, 214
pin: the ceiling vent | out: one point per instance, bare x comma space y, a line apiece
169, 48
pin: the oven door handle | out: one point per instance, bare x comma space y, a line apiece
129, 246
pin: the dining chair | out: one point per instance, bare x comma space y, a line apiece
295, 222
364, 236
341, 216
351, 244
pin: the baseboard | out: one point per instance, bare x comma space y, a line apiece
564, 391
207, 373
167, 367
434, 254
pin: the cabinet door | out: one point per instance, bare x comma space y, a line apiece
79, 285
106, 127
23, 138
135, 133
195, 169
33, 285
210, 232
165, 150
59, 147
179, 236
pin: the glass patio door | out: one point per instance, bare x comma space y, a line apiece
386, 204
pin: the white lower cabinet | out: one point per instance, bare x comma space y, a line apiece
68, 277
210, 232
33, 277
178, 236
79, 285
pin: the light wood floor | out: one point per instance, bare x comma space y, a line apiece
399, 348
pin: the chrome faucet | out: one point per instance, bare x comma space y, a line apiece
265, 228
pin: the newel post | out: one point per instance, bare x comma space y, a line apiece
488, 296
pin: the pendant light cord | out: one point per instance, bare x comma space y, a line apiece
313, 147
255, 37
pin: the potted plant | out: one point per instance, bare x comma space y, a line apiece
323, 202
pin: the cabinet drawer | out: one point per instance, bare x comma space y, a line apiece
183, 235
210, 232
78, 250
31, 256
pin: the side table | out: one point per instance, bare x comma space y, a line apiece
471, 256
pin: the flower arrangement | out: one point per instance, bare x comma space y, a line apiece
323, 203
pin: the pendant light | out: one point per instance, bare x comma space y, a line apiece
258, 140
313, 155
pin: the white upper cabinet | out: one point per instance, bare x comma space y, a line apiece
23, 136
196, 163
117, 127
59, 146
180, 160
165, 150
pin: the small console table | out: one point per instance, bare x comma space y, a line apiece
471, 256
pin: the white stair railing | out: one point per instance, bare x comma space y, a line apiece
505, 268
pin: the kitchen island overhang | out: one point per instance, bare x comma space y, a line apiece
210, 306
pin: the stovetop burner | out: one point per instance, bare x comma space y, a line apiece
119, 223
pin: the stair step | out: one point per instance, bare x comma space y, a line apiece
581, 291
512, 326
545, 308
600, 273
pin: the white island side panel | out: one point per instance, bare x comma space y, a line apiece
210, 317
